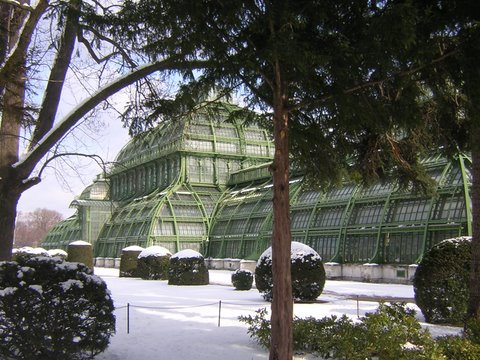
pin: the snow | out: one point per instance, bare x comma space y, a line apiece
182, 322
298, 250
57, 252
79, 243
187, 254
133, 248
154, 251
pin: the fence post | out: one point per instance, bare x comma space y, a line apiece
358, 308
128, 318
219, 311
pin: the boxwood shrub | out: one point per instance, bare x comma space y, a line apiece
242, 279
308, 273
153, 263
129, 261
51, 309
441, 281
187, 267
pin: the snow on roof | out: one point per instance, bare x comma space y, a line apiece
133, 248
154, 251
187, 254
79, 243
298, 250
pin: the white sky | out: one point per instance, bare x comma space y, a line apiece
58, 188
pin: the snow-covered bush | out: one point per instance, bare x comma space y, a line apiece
51, 309
82, 252
441, 281
392, 332
153, 263
242, 279
308, 273
27, 252
129, 261
187, 267
62, 254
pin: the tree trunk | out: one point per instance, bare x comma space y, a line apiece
8, 214
281, 347
472, 78
474, 303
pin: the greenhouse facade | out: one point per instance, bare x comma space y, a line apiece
203, 183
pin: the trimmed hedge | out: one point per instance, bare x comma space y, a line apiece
129, 261
51, 309
81, 252
308, 273
242, 279
153, 263
187, 267
441, 281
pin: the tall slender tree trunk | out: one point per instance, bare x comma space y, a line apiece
281, 347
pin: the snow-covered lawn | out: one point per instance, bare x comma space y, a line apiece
182, 322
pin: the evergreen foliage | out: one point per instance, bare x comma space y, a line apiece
308, 273
153, 263
50, 309
391, 332
187, 267
82, 252
441, 282
129, 262
242, 279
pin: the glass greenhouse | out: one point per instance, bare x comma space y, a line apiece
203, 182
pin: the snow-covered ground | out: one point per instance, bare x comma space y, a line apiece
201, 322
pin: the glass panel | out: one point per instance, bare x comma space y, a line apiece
327, 217
408, 210
366, 214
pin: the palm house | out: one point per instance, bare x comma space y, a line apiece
203, 183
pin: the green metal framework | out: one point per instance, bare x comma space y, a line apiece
350, 224
93, 209
202, 182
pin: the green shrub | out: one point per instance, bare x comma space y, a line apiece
27, 252
62, 254
153, 263
129, 261
242, 279
51, 309
459, 348
392, 332
441, 281
187, 267
81, 252
308, 273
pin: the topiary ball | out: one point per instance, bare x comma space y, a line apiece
187, 267
242, 279
53, 309
153, 263
441, 282
308, 273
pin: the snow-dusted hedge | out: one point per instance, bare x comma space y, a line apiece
51, 309
187, 267
308, 273
129, 261
441, 281
153, 263
82, 252
27, 252
242, 279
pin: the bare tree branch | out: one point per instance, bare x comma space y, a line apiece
27, 164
